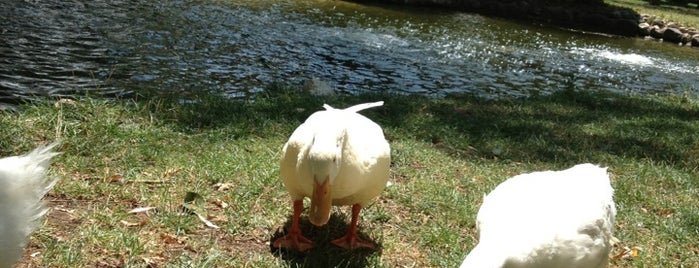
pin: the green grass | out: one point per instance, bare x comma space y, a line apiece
685, 15
446, 154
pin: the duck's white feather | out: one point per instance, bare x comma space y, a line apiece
23, 183
365, 155
547, 219
356, 108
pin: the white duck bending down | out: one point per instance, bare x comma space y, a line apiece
23, 183
547, 219
336, 157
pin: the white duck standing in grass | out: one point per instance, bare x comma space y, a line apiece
336, 157
23, 183
547, 219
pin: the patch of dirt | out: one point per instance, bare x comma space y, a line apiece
60, 223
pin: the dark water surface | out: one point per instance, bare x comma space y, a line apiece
110, 48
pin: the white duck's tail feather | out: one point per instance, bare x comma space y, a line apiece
42, 157
23, 184
356, 108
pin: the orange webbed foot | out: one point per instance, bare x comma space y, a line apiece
293, 240
351, 242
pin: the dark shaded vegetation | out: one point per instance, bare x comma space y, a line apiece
583, 15
680, 3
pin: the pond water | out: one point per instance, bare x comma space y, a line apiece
238, 47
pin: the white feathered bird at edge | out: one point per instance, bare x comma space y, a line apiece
23, 184
547, 219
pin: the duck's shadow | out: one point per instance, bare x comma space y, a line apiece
324, 253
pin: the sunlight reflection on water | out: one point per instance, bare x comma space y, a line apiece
239, 47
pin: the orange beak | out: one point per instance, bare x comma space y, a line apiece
320, 202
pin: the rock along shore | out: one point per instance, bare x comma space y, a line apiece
590, 15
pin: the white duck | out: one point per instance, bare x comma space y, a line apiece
23, 183
336, 157
547, 219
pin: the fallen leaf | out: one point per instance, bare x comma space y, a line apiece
59, 238
191, 249
223, 186
628, 253
154, 261
69, 211
172, 171
134, 224
140, 210
220, 203
171, 239
189, 208
63, 101
207, 222
634, 251
148, 181
116, 178
614, 240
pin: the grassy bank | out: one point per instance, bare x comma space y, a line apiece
121, 155
685, 15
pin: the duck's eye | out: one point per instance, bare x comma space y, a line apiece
334, 159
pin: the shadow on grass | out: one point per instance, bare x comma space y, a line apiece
324, 253
194, 111
566, 127
570, 127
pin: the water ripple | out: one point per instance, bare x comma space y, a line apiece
238, 47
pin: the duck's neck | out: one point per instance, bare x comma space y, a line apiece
326, 152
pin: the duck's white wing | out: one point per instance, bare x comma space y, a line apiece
366, 161
293, 168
